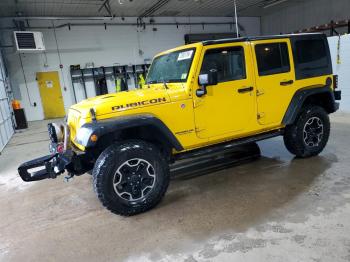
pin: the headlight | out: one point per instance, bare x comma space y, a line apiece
83, 136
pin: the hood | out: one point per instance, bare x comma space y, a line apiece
112, 103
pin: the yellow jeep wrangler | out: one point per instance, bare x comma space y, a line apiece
205, 97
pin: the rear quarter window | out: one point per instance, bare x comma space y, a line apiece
311, 58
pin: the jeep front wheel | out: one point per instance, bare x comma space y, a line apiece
131, 177
309, 134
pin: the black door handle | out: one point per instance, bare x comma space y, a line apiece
245, 89
286, 83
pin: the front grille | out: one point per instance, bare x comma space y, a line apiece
52, 133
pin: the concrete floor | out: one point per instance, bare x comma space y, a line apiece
274, 209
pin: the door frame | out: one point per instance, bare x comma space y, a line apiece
288, 90
199, 101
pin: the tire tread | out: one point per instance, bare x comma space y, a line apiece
103, 166
293, 139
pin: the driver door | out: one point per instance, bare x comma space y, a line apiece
228, 107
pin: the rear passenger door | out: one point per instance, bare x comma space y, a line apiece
275, 79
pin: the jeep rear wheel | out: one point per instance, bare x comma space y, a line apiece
131, 177
309, 134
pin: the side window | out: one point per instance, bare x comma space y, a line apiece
229, 62
311, 58
272, 58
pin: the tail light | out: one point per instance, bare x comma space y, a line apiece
335, 81
337, 93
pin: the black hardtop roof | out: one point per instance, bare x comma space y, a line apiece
267, 37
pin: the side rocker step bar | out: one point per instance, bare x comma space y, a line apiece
197, 166
227, 146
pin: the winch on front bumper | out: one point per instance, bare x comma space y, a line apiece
62, 158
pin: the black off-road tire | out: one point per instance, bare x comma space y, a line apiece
294, 134
114, 157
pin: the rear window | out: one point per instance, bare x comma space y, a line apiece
311, 58
272, 58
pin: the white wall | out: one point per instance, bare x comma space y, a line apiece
304, 14
103, 47
342, 69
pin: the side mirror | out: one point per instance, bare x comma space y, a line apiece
205, 80
201, 91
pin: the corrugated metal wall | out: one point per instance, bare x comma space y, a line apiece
305, 14
6, 127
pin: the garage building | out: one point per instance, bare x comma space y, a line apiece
56, 54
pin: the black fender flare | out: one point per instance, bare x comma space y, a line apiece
103, 127
300, 97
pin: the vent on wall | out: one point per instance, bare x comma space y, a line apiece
29, 42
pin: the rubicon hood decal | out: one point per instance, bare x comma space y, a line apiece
139, 103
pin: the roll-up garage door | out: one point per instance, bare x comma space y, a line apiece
6, 127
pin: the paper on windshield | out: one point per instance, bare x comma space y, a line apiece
185, 55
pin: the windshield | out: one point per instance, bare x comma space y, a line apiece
172, 67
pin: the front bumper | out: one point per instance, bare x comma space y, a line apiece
49, 166
60, 160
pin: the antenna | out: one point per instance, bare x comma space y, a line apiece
236, 19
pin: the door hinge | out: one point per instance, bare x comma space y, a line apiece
259, 92
261, 115
197, 103
199, 129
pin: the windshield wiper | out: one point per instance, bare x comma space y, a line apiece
174, 80
164, 82
165, 85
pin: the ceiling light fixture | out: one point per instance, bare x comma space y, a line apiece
273, 3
